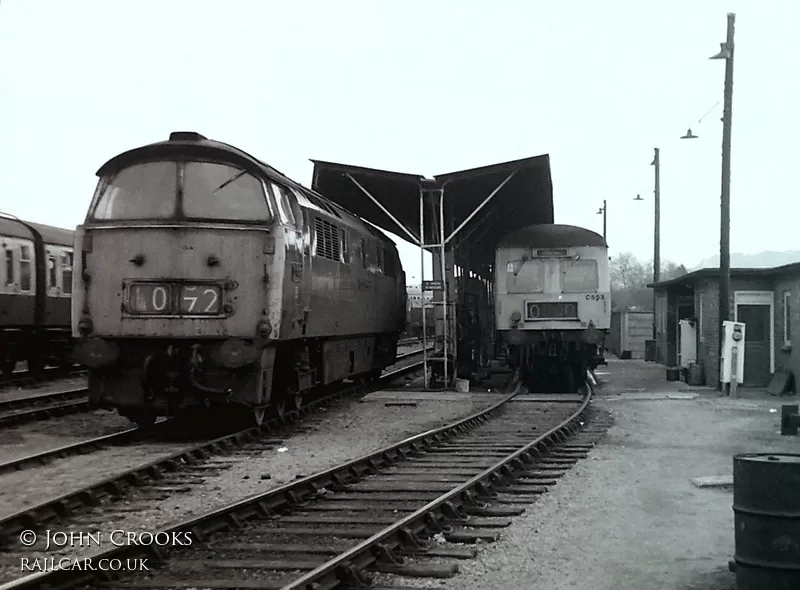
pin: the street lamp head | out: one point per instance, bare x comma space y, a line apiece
724, 52
689, 135
638, 198
600, 211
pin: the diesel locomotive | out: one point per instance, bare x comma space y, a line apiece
552, 303
207, 280
35, 288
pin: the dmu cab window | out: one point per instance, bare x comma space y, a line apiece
525, 276
189, 190
578, 276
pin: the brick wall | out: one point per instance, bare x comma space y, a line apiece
707, 297
787, 358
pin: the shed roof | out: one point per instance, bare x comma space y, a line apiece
713, 272
525, 199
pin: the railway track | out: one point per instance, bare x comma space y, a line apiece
44, 405
25, 377
397, 513
164, 474
130, 435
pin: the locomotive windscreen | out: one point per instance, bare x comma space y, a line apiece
579, 276
183, 190
568, 276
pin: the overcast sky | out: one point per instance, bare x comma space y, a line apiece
419, 86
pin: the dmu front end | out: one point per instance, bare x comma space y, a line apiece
552, 303
206, 280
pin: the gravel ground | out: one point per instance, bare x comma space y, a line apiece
629, 517
37, 437
32, 486
13, 392
347, 431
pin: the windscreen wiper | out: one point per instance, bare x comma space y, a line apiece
233, 178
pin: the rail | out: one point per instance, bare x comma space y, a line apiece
381, 547
117, 485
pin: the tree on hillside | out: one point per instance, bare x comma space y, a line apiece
630, 277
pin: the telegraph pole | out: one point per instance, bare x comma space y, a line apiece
605, 219
656, 229
603, 210
726, 53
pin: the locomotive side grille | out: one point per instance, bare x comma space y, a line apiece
551, 310
328, 244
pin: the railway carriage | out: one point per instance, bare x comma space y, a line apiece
207, 279
552, 303
35, 288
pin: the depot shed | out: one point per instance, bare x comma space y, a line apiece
766, 300
629, 330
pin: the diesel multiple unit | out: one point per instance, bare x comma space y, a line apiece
552, 303
204, 278
35, 288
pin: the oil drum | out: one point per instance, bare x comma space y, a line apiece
766, 507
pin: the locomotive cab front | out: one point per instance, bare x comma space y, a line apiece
173, 304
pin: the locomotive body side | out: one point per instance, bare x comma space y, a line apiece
35, 288
552, 303
208, 279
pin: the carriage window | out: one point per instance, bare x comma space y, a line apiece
219, 191
142, 191
284, 204
525, 276
25, 268
9, 267
52, 278
66, 272
578, 276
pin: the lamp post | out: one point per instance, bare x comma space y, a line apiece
726, 53
603, 211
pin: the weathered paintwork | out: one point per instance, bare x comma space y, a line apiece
594, 306
313, 295
180, 253
533, 269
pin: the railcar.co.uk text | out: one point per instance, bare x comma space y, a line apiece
86, 564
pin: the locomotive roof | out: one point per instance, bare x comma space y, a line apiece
552, 236
188, 144
15, 228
